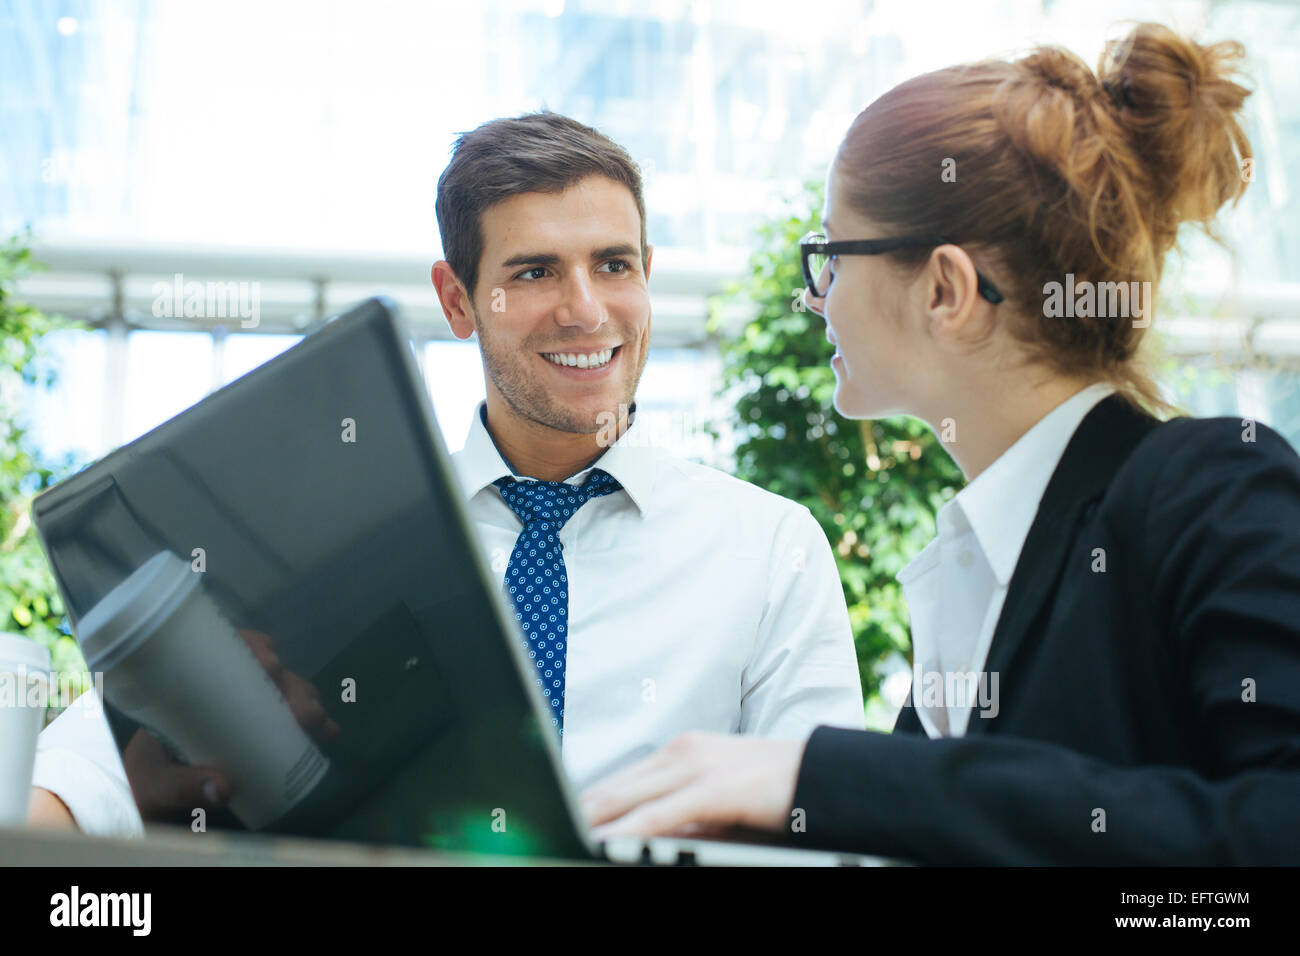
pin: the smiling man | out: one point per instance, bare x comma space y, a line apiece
655, 595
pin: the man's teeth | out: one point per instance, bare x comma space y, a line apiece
579, 359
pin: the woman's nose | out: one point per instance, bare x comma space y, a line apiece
813, 302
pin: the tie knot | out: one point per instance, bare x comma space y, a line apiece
553, 502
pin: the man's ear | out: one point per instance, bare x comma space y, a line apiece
453, 298
649, 255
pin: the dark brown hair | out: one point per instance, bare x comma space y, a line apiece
541, 152
1059, 170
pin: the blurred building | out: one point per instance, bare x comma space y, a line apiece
297, 145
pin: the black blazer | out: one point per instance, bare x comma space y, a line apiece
1147, 714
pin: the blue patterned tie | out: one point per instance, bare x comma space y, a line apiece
535, 576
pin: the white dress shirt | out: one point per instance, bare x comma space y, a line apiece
956, 586
77, 759
696, 602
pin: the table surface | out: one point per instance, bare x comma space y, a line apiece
165, 845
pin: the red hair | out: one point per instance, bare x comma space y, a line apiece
1059, 170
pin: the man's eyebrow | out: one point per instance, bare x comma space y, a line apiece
532, 259
609, 252
551, 259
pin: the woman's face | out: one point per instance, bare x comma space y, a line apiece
880, 360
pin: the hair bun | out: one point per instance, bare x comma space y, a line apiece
1121, 94
1060, 69
1178, 103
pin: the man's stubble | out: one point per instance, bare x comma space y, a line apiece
529, 399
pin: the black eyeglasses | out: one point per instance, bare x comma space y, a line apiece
814, 250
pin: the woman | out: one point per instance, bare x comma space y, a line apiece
1106, 629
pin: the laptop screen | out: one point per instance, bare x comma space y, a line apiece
308, 511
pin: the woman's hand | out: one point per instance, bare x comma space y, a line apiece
699, 783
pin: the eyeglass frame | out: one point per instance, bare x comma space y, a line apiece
874, 247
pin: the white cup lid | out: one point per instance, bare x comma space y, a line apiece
133, 610
22, 653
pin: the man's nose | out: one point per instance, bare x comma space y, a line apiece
581, 307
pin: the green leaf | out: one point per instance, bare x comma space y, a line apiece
777, 377
29, 600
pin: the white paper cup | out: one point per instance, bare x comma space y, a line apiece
24, 691
173, 663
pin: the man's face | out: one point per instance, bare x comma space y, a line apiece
562, 307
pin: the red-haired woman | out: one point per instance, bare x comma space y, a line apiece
1106, 628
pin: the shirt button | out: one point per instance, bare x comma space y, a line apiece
965, 558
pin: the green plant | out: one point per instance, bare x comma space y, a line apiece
29, 600
873, 486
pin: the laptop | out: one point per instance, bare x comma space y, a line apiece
317, 499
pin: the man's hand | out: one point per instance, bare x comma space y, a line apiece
301, 695
698, 784
165, 789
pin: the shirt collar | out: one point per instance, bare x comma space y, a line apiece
630, 462
1001, 503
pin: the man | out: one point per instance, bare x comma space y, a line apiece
656, 596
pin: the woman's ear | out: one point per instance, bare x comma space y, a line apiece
956, 311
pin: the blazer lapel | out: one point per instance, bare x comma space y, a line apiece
908, 722
1104, 439
1101, 443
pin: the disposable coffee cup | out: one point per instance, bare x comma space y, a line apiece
24, 692
173, 663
